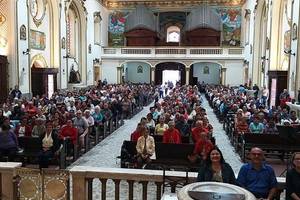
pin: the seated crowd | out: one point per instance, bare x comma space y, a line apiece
65, 115
178, 118
180, 115
251, 115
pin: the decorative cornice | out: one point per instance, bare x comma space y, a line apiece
119, 4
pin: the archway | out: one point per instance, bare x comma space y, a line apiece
76, 39
174, 66
207, 72
43, 79
137, 72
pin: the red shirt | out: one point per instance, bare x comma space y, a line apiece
68, 131
196, 133
172, 136
135, 136
28, 130
203, 147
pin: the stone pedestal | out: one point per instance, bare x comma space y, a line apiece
218, 189
7, 172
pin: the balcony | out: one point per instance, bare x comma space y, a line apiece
188, 53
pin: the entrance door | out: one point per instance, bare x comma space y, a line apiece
171, 75
43, 81
169, 66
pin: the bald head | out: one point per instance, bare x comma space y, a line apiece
257, 156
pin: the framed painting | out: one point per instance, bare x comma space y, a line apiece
37, 40
206, 70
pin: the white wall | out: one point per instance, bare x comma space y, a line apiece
135, 77
234, 73
23, 60
92, 7
45, 28
109, 70
214, 72
248, 51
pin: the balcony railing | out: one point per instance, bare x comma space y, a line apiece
150, 182
178, 52
113, 183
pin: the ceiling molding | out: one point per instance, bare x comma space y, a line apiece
122, 4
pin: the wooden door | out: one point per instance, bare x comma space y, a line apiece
3, 78
39, 80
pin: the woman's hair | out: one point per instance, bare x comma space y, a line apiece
208, 160
293, 158
5, 127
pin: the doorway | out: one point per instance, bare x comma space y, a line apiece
43, 81
171, 76
174, 72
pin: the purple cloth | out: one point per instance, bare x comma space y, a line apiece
8, 140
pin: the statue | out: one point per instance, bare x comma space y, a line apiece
74, 76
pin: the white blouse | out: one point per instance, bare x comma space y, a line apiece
47, 141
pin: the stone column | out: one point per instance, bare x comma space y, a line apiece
7, 173
223, 76
152, 74
119, 75
187, 75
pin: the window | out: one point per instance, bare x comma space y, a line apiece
173, 34
97, 28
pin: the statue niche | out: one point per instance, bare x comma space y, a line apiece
74, 76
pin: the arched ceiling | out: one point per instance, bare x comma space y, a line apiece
119, 4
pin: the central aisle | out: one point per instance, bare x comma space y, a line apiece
222, 141
105, 153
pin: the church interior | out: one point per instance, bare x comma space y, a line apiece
83, 83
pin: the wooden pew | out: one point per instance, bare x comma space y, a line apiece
174, 156
167, 155
274, 144
31, 148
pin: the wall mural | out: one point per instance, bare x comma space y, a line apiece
231, 19
116, 28
37, 40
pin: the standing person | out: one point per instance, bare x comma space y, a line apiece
8, 142
256, 88
258, 177
265, 95
166, 88
16, 93
216, 169
293, 179
145, 147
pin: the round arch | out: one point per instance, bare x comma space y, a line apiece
205, 71
136, 71
38, 61
161, 66
207, 61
